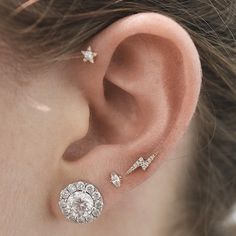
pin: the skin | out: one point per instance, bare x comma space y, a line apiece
58, 128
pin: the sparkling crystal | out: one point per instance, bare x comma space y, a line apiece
144, 165
71, 188
115, 179
90, 188
96, 195
89, 218
140, 160
96, 212
73, 217
80, 203
81, 220
65, 194
62, 204
98, 204
88, 55
80, 185
66, 211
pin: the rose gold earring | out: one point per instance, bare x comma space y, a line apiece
89, 55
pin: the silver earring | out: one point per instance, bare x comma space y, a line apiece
89, 55
116, 179
81, 202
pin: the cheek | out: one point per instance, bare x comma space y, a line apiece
44, 119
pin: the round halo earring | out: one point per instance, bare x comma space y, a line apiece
81, 202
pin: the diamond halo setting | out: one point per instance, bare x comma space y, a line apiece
81, 202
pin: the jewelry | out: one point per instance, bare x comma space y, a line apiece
115, 178
89, 55
144, 164
81, 202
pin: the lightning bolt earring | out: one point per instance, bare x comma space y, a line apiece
116, 179
144, 164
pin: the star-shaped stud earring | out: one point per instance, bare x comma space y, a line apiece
89, 55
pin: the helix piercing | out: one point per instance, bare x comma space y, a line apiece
81, 202
89, 55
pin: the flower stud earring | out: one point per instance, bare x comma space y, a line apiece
89, 55
81, 202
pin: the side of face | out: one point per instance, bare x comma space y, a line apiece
40, 117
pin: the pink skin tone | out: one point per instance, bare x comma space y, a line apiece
154, 77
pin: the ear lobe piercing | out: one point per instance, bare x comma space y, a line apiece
81, 202
116, 179
89, 55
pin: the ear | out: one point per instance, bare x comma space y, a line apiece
142, 89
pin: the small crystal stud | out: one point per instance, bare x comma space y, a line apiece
116, 179
89, 55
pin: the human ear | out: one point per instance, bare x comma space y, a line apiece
142, 92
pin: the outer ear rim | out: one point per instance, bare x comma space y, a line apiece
125, 24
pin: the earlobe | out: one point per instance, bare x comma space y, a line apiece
142, 90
